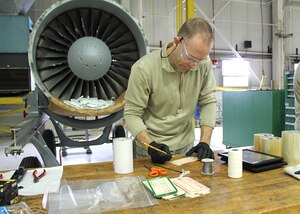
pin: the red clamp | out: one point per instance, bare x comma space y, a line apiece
36, 178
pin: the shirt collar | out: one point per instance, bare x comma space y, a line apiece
165, 62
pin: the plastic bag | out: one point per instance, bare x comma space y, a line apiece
18, 208
94, 196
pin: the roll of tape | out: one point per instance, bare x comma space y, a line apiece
258, 140
235, 163
291, 147
207, 166
272, 145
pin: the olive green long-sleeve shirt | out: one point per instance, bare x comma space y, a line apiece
162, 100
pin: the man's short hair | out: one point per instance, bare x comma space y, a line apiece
196, 26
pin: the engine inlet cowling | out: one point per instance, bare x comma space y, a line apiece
85, 48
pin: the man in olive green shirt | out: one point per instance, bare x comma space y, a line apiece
163, 90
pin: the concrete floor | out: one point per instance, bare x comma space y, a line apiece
100, 153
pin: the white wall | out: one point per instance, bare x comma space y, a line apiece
158, 19
242, 21
237, 22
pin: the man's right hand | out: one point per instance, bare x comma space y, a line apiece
159, 157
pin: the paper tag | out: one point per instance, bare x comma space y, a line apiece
180, 193
185, 160
161, 186
191, 186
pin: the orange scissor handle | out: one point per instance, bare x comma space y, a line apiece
157, 172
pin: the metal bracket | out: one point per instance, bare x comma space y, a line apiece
284, 36
66, 141
14, 149
30, 134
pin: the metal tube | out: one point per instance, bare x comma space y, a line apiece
189, 6
178, 14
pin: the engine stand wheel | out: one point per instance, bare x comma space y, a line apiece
88, 150
119, 131
64, 151
30, 162
49, 138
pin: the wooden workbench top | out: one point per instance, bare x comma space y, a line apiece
266, 192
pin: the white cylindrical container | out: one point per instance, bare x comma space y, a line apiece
291, 147
235, 163
123, 155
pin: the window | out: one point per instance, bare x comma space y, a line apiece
235, 73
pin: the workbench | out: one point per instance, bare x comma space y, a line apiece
266, 192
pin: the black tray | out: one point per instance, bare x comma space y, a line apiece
254, 161
254, 158
260, 168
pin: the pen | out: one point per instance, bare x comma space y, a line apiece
148, 145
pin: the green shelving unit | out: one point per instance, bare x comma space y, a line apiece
289, 101
248, 112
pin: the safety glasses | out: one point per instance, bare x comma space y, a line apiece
188, 57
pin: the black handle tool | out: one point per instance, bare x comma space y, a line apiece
19, 174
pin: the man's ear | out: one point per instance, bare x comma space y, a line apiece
177, 39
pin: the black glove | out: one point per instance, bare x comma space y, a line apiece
203, 151
159, 157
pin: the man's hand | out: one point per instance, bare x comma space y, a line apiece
159, 157
202, 150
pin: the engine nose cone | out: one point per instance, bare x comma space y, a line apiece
89, 58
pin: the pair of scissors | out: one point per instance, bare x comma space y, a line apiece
36, 177
154, 172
